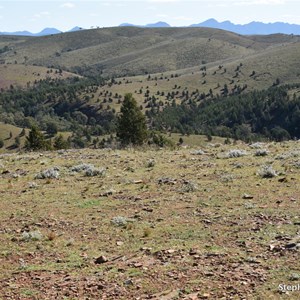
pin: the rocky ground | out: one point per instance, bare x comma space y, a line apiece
220, 222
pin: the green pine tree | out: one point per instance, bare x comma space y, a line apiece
131, 124
36, 140
60, 143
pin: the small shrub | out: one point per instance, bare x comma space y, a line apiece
235, 153
256, 145
31, 236
249, 205
119, 221
70, 242
288, 154
150, 163
189, 187
227, 178
197, 152
267, 172
81, 167
89, 170
296, 164
146, 232
92, 171
166, 180
294, 276
49, 174
238, 165
261, 152
32, 185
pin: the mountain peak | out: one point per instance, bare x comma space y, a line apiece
48, 31
158, 24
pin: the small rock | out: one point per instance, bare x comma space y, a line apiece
205, 296
193, 252
101, 260
138, 181
282, 179
148, 209
128, 282
246, 196
170, 251
291, 246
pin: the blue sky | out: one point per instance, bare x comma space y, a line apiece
64, 15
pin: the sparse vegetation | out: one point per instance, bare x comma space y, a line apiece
119, 221
52, 173
267, 171
92, 171
235, 153
31, 236
261, 152
185, 210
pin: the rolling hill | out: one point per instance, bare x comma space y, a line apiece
159, 66
26, 75
175, 56
124, 51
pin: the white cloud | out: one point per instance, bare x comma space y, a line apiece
162, 16
68, 5
259, 2
163, 1
42, 14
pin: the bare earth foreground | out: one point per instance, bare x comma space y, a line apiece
152, 224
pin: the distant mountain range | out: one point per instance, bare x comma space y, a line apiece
154, 25
250, 28
247, 29
46, 31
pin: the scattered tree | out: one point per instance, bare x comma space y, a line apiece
131, 123
60, 143
36, 140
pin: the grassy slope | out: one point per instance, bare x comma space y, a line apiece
238, 245
137, 50
5, 130
166, 51
26, 75
281, 62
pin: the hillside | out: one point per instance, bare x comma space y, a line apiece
129, 50
282, 62
172, 66
26, 75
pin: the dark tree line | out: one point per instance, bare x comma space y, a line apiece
55, 101
272, 113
